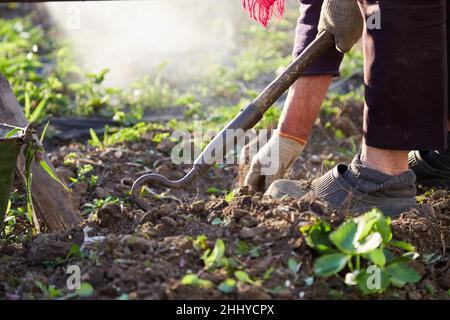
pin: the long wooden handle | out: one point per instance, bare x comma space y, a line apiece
291, 74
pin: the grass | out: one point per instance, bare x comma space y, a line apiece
114, 136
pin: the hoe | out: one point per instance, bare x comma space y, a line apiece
246, 119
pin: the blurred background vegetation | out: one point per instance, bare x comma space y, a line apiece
44, 68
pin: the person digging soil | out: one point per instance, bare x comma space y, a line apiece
401, 113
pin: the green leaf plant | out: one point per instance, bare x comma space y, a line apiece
32, 151
360, 249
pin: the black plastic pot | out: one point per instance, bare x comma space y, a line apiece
9, 152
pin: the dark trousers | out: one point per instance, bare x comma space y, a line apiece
406, 70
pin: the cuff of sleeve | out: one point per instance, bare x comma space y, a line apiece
291, 137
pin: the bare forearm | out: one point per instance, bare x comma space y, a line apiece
303, 104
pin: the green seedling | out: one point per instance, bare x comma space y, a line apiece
243, 249
91, 208
293, 265
70, 159
84, 291
361, 247
200, 242
74, 254
159, 137
268, 273
49, 292
214, 191
228, 286
114, 136
243, 277
431, 289
194, 280
215, 258
229, 197
84, 174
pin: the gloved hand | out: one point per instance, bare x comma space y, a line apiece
344, 20
271, 162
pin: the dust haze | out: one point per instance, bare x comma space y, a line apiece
134, 38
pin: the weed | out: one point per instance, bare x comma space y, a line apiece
70, 159
74, 254
90, 96
215, 258
229, 197
353, 62
200, 242
84, 291
421, 199
293, 265
114, 136
91, 208
147, 263
215, 191
194, 280
268, 273
430, 288
243, 249
49, 292
84, 174
151, 93
227, 286
243, 277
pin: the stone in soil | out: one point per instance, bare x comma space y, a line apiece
110, 215
43, 249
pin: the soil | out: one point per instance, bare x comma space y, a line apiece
145, 254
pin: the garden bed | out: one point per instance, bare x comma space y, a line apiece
146, 255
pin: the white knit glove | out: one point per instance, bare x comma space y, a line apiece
272, 161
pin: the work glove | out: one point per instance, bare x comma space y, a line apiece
344, 20
272, 161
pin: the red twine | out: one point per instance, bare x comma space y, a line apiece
262, 10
